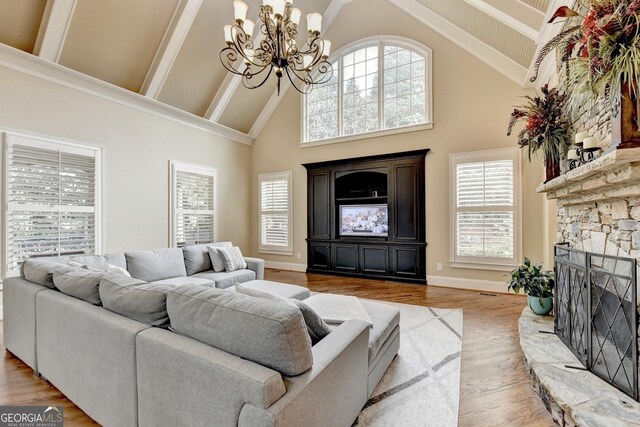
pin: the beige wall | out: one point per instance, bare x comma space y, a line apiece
472, 103
137, 147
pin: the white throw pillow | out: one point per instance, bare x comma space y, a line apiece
114, 269
216, 260
232, 257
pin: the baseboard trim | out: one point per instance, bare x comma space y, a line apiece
470, 284
288, 266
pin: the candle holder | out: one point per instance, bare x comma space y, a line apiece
584, 156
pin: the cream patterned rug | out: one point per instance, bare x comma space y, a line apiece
422, 385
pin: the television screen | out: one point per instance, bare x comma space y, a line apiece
364, 220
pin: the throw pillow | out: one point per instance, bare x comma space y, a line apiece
242, 289
232, 257
316, 327
216, 260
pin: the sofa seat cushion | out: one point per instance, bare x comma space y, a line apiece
266, 332
280, 289
227, 279
189, 280
136, 299
385, 319
196, 259
82, 284
160, 264
101, 261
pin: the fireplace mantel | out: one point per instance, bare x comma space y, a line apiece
614, 175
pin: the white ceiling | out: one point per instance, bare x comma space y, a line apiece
169, 49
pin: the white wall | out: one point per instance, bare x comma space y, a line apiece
137, 147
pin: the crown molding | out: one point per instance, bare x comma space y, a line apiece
37, 67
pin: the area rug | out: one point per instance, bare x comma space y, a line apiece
422, 385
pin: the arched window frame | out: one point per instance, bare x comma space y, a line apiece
338, 57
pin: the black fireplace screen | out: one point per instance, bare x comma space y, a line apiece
596, 313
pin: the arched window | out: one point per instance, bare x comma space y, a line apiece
379, 85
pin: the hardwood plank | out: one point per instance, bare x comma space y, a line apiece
494, 389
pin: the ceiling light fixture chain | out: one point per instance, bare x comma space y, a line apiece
277, 51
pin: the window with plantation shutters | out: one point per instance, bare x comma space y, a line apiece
51, 200
193, 211
275, 212
485, 208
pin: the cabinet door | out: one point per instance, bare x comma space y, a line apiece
345, 258
405, 262
406, 196
319, 255
374, 260
319, 209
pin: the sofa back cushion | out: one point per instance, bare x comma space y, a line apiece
266, 332
101, 261
136, 299
82, 284
41, 271
196, 259
160, 264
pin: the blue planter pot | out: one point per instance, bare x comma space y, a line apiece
541, 306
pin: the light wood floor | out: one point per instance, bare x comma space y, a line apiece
495, 389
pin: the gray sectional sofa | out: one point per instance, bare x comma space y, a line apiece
218, 358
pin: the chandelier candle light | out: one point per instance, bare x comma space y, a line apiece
274, 48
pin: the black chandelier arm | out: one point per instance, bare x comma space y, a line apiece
248, 76
325, 70
304, 85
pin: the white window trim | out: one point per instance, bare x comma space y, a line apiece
176, 166
368, 42
487, 263
276, 250
8, 136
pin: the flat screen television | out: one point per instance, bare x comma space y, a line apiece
364, 220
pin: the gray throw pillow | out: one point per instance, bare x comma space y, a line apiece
316, 327
136, 299
233, 259
217, 262
41, 271
81, 284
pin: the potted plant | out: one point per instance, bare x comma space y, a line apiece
536, 283
599, 52
546, 129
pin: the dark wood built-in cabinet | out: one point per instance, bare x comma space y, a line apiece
395, 180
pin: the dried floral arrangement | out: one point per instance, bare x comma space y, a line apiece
599, 50
546, 126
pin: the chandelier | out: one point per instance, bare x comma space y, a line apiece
274, 48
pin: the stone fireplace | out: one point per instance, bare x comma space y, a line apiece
596, 265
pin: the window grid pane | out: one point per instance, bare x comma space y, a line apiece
404, 87
322, 110
360, 92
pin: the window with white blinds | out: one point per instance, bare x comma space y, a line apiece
485, 208
193, 207
275, 212
51, 199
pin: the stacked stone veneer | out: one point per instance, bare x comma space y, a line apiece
599, 204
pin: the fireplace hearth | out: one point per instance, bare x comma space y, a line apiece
596, 313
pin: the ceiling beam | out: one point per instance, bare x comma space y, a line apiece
485, 53
505, 18
547, 32
332, 12
53, 29
170, 46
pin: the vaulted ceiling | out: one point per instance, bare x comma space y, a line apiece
168, 50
